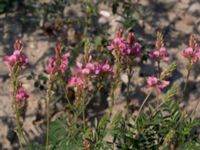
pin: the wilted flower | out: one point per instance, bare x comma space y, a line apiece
17, 58
157, 83
21, 94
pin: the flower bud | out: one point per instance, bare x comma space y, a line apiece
18, 45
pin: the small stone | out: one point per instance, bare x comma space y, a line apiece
124, 78
194, 7
104, 13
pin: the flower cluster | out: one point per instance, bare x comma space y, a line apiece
18, 58
77, 81
58, 63
160, 53
157, 83
192, 53
90, 69
125, 47
21, 94
102, 68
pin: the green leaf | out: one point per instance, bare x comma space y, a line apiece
98, 41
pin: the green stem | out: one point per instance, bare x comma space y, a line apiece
19, 129
187, 79
128, 89
145, 100
114, 85
20, 132
47, 114
83, 111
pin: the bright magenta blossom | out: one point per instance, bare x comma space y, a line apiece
191, 54
157, 83
160, 54
21, 94
17, 58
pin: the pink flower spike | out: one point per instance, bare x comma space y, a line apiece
191, 55
56, 65
21, 95
51, 65
64, 63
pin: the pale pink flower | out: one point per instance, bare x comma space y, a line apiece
160, 54
157, 83
21, 94
191, 54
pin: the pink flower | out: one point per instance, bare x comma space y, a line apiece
125, 47
56, 65
21, 94
157, 83
103, 68
191, 54
89, 68
17, 58
115, 43
64, 62
77, 82
51, 65
160, 54
136, 49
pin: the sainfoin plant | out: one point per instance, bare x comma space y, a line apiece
163, 125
